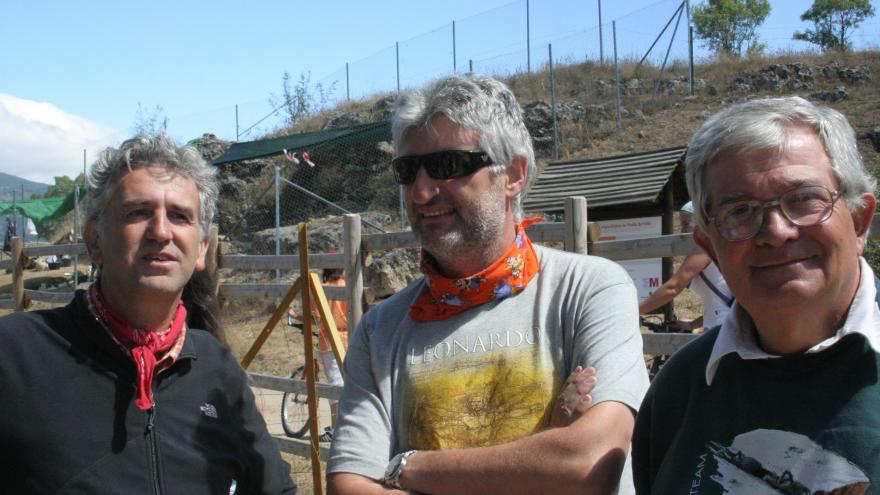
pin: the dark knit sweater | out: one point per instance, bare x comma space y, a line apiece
797, 424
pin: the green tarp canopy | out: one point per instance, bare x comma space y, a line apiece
361, 133
43, 209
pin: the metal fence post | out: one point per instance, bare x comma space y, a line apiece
347, 87
616, 73
690, 59
601, 41
553, 103
277, 216
528, 41
454, 64
397, 63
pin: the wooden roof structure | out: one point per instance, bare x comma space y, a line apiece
624, 186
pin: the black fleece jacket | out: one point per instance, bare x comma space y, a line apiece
68, 423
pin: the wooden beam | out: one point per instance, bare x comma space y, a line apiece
282, 262
56, 249
576, 224
354, 268
280, 311
18, 274
50, 297
653, 247
293, 385
274, 290
301, 448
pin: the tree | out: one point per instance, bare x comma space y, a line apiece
149, 122
300, 100
833, 20
729, 25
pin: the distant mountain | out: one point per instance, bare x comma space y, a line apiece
10, 183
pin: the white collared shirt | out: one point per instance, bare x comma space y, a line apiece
737, 332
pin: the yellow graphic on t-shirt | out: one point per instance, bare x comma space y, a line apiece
471, 401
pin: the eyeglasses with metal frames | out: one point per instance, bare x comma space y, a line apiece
803, 206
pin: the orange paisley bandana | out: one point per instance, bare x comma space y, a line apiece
508, 275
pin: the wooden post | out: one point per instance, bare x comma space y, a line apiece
309, 344
354, 269
666, 229
18, 261
576, 224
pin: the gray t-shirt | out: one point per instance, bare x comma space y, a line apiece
490, 374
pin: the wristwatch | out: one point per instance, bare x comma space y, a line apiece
395, 469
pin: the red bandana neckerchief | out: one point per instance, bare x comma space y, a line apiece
506, 276
147, 348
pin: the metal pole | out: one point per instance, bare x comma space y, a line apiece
24, 220
347, 87
89, 277
454, 64
553, 104
690, 50
676, 13
397, 58
14, 214
601, 41
616, 72
668, 50
237, 134
277, 216
471, 65
528, 41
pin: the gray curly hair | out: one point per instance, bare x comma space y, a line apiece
480, 104
141, 151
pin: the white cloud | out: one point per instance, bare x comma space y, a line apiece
39, 141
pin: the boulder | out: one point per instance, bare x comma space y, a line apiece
855, 75
210, 146
831, 96
382, 110
346, 119
388, 272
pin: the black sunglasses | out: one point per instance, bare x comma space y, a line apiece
441, 165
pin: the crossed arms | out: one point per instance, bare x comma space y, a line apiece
584, 452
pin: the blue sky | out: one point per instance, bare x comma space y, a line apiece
73, 73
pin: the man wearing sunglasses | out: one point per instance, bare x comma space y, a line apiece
450, 385
784, 396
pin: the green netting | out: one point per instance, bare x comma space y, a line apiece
40, 210
366, 133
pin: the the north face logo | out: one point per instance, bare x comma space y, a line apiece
209, 410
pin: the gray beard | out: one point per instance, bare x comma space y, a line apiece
478, 231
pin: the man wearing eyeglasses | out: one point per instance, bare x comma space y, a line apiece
450, 385
784, 397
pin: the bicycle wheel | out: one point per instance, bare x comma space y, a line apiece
295, 409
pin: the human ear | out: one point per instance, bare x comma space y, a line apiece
517, 175
702, 239
203, 250
862, 219
92, 239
